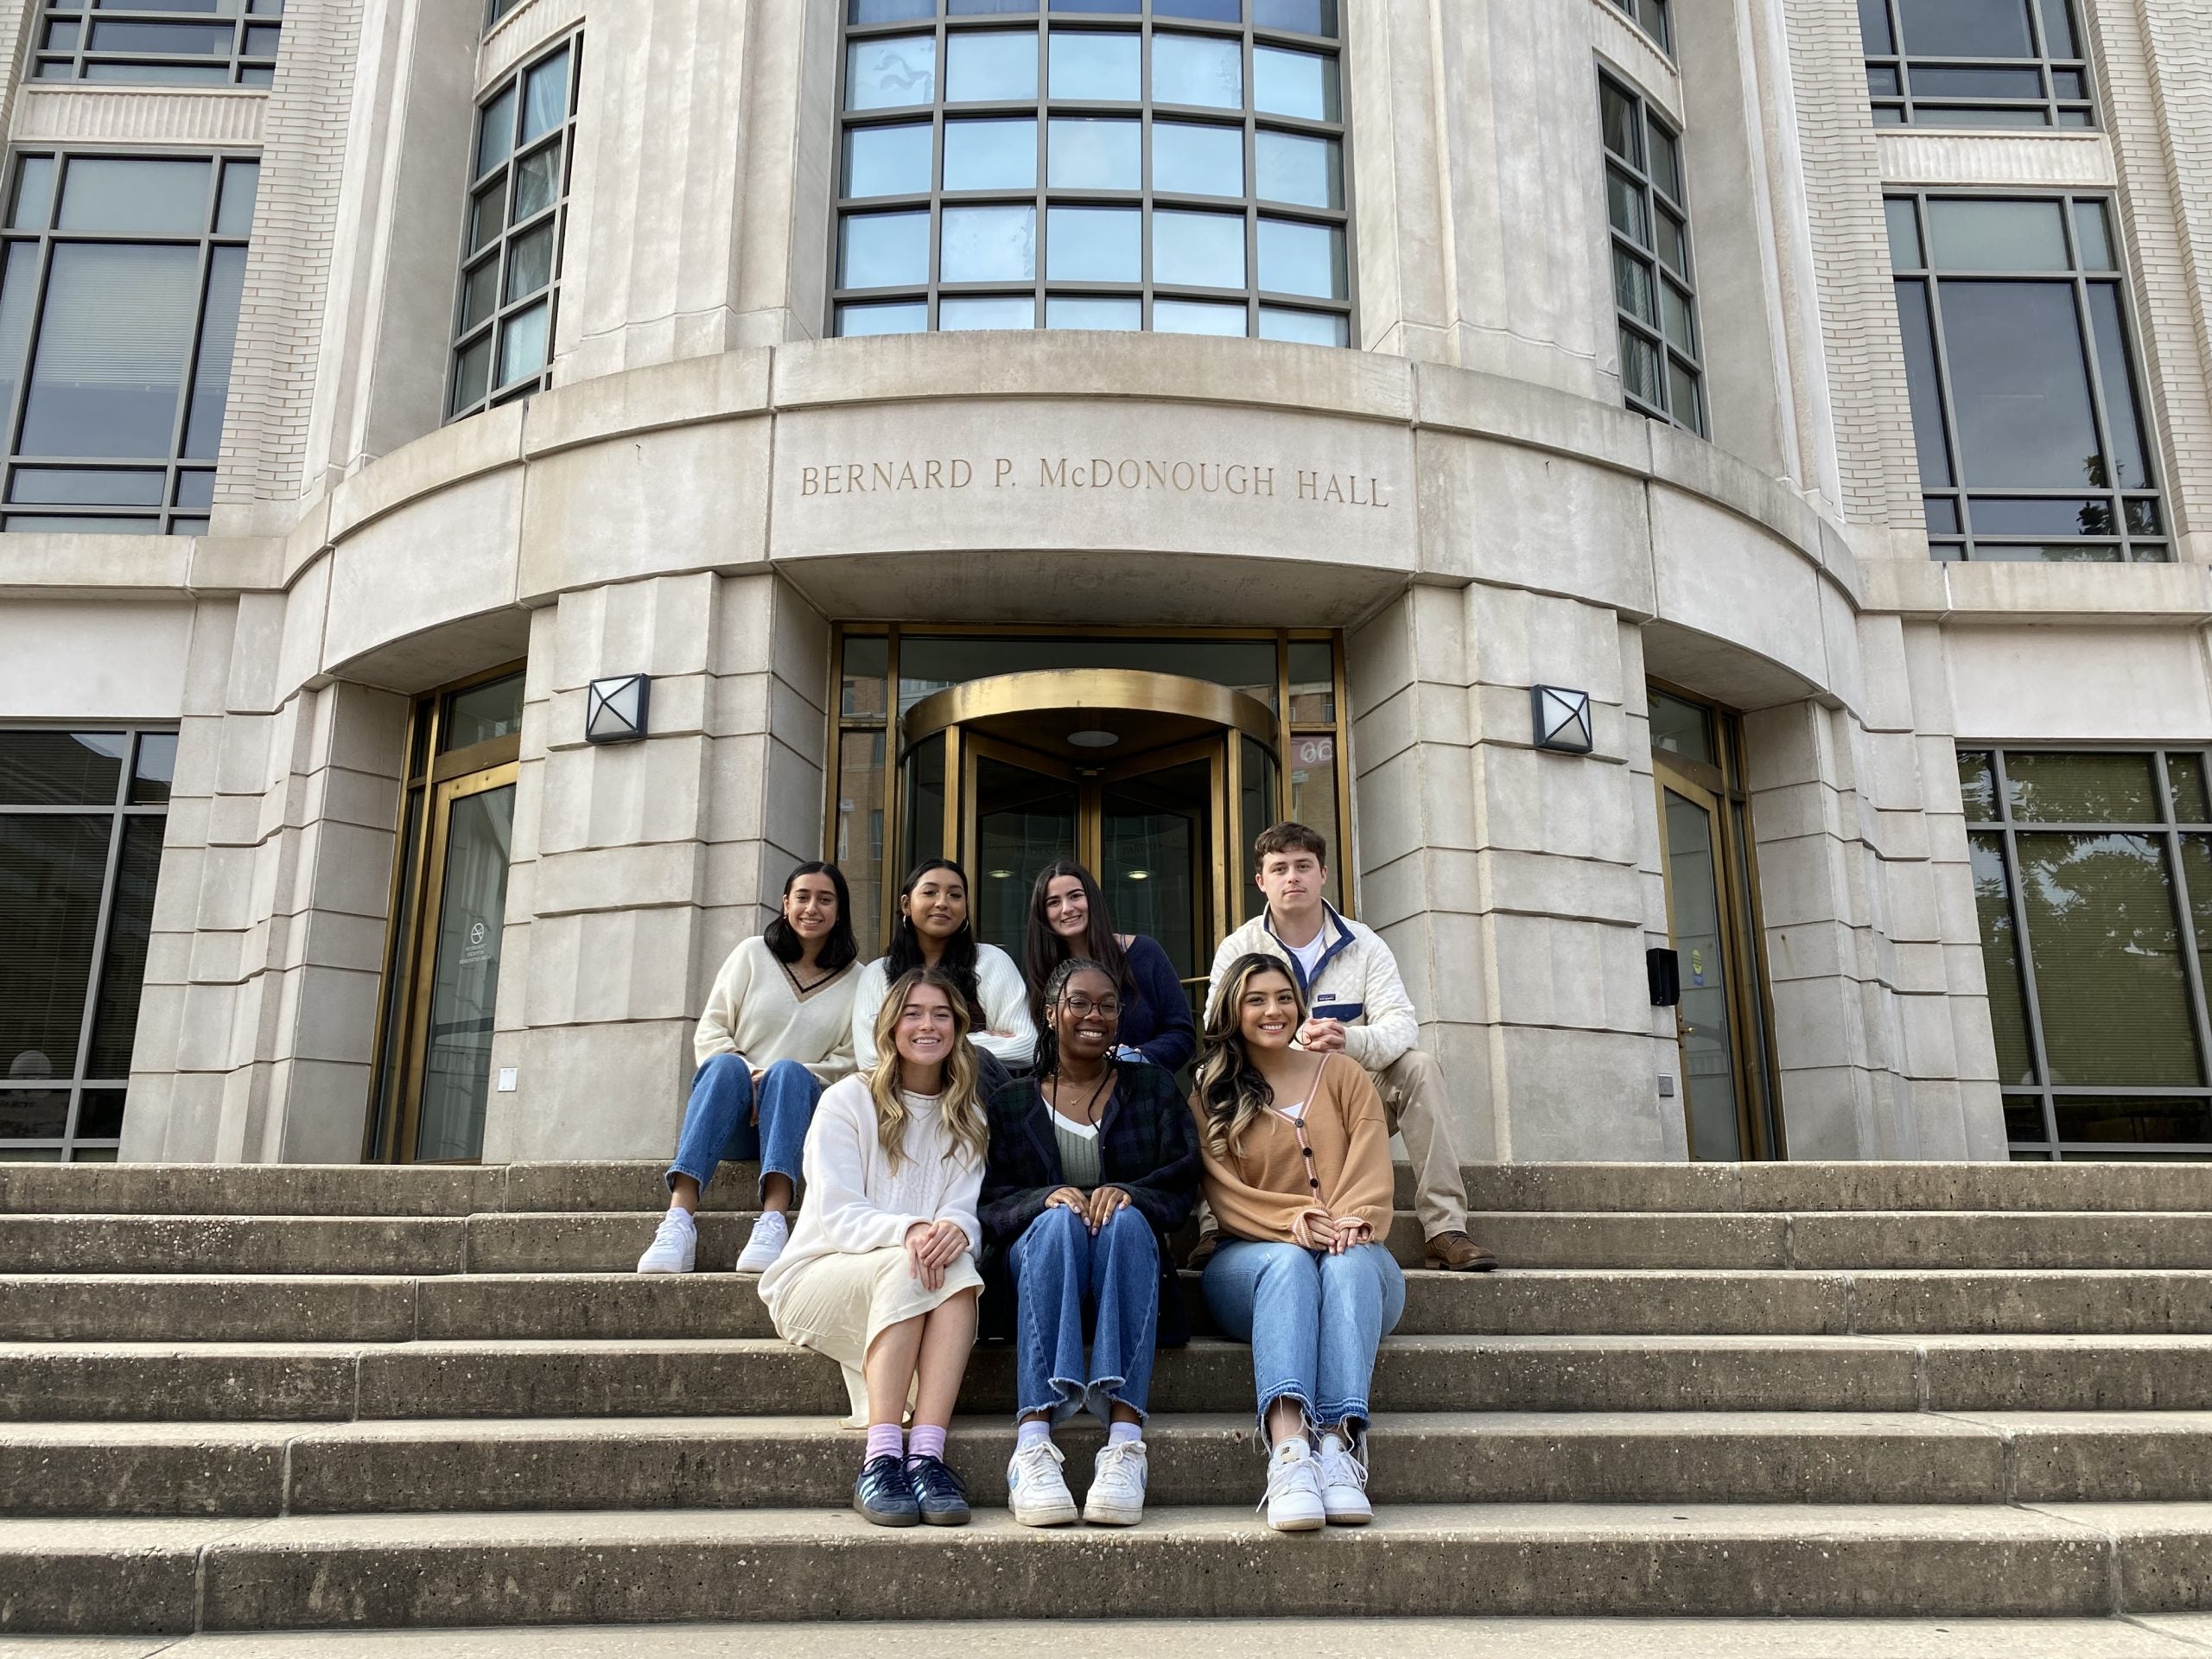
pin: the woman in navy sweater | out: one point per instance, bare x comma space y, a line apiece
1068, 917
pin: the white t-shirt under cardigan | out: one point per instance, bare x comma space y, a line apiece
1006, 1008
757, 1011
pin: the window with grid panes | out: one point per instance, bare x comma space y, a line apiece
1656, 19
511, 241
1654, 283
2033, 439
156, 42
82, 815
1986, 63
2093, 883
118, 314
1170, 165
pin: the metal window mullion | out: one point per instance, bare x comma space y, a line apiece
97, 968
1946, 411
2031, 996
2184, 916
2085, 322
181, 416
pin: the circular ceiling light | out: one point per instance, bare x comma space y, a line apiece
1093, 739
1140, 875
1000, 875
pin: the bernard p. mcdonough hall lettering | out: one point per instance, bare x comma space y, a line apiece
1128, 474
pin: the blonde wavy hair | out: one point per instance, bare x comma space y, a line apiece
1231, 1092
960, 1100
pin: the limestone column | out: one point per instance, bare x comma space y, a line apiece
638, 867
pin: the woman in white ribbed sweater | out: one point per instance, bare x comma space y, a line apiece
880, 1272
778, 1029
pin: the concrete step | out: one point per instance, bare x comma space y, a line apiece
386, 1572
610, 1242
1527, 1301
234, 1382
522, 1464
446, 1190
2178, 1635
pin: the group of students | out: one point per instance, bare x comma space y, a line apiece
971, 1130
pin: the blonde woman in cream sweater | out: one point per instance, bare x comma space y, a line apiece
777, 1030
881, 1274
1296, 1156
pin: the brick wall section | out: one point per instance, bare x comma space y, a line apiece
1880, 476
287, 267
2154, 60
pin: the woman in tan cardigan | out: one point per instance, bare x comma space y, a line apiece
1297, 1167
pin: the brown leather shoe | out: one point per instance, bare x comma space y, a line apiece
1202, 1252
1455, 1252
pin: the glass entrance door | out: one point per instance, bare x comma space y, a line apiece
1153, 781
1026, 809
1713, 920
472, 834
1706, 1022
449, 900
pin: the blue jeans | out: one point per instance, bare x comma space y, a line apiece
1314, 1321
1064, 1280
720, 1123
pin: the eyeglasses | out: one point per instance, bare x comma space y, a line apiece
1082, 1007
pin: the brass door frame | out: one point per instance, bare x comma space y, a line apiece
1757, 1124
422, 966
1218, 752
381, 1139
1281, 742
1233, 716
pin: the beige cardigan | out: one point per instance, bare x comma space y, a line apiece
1262, 1188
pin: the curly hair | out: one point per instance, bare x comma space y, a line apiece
1233, 1094
960, 1102
1048, 1037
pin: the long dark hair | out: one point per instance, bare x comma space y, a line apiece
958, 962
1043, 950
1233, 1094
841, 950
1048, 1035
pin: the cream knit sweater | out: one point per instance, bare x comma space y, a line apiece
855, 1201
1005, 1009
754, 1010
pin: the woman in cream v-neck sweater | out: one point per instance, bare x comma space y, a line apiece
777, 1030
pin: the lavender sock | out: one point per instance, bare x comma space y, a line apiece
926, 1441
1030, 1434
886, 1440
1120, 1433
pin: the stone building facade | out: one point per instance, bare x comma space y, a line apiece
735, 344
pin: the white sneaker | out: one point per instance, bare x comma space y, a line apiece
1344, 1483
675, 1248
1036, 1491
1117, 1494
1293, 1499
769, 1234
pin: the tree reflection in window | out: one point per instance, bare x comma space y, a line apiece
2093, 883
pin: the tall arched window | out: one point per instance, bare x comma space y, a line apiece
1171, 165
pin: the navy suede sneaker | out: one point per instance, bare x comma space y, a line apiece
940, 1495
884, 1494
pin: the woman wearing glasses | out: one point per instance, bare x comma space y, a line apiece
1092, 1163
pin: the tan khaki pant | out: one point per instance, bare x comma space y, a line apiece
1412, 1095
1412, 1087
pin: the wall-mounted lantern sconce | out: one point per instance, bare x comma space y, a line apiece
614, 710
1563, 720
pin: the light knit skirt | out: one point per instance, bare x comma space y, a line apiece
838, 1305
